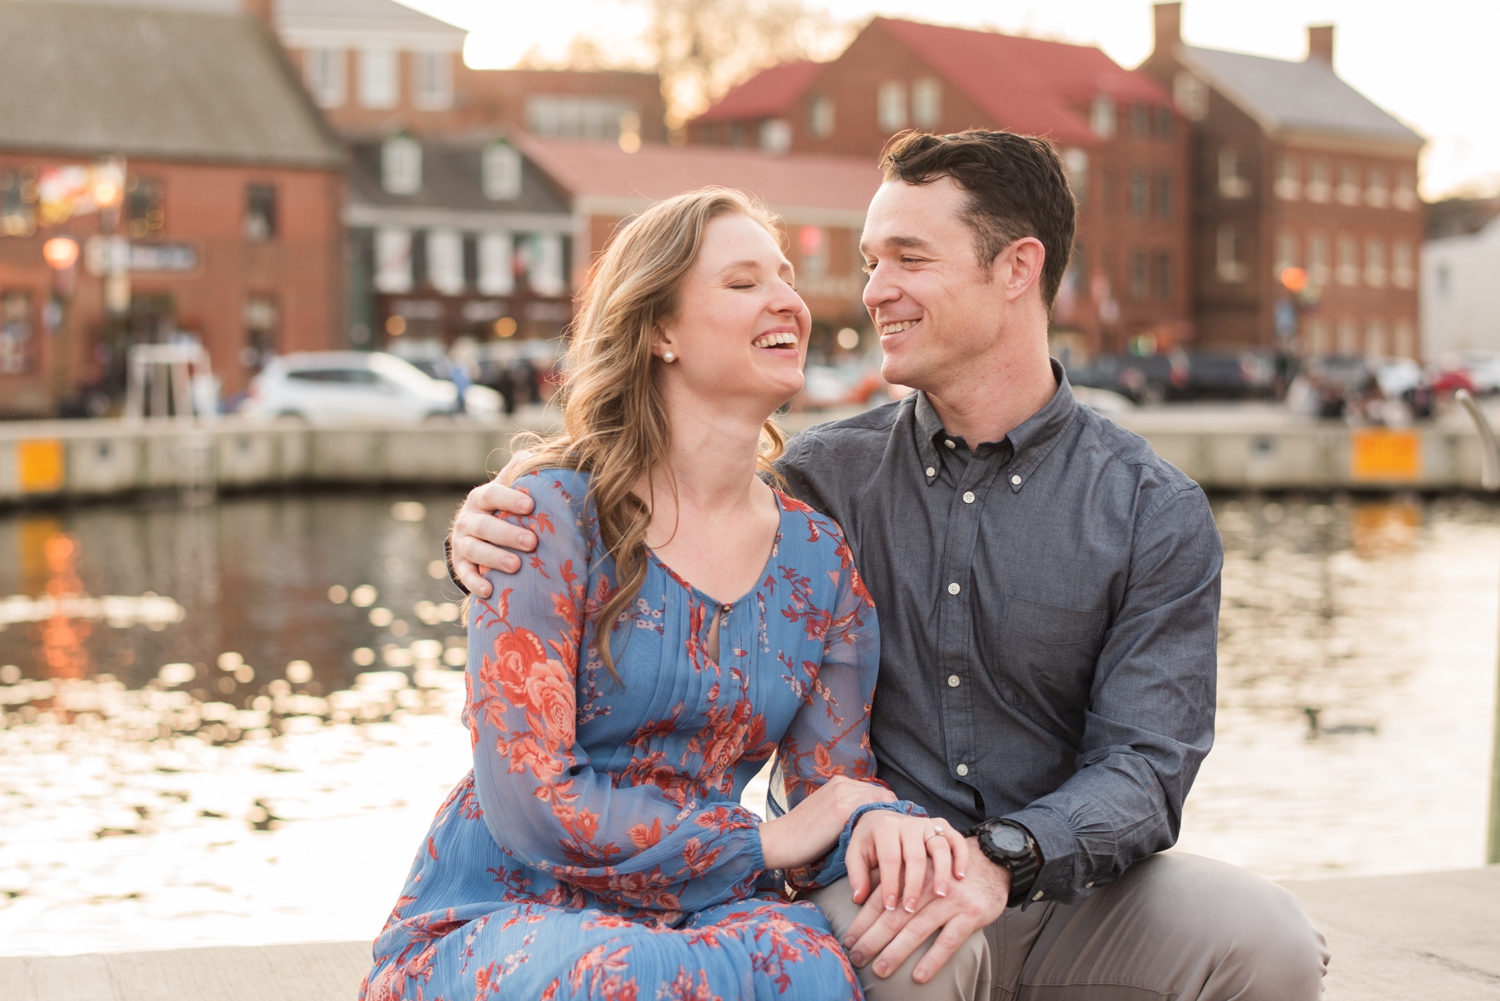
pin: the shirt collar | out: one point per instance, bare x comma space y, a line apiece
1029, 442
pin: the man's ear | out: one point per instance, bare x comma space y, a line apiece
1019, 266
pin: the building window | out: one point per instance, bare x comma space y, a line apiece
497, 266
1318, 269
18, 342
1231, 254
18, 197
926, 103
1348, 192
145, 214
1289, 179
445, 261
1444, 279
1190, 94
1377, 192
1316, 342
1375, 343
1163, 195
1139, 278
1140, 194
1347, 272
1348, 338
890, 103
1375, 273
1286, 253
1403, 265
1102, 117
544, 264
432, 80
500, 172
1232, 180
1076, 163
1161, 274
393, 264
1111, 182
1140, 121
260, 212
813, 242
568, 116
1163, 121
1405, 345
260, 332
378, 78
736, 134
1319, 181
820, 116
401, 165
1405, 196
775, 136
325, 71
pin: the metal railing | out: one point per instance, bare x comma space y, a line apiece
1490, 477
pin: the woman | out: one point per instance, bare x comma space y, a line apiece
598, 848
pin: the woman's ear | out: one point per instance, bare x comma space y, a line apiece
663, 344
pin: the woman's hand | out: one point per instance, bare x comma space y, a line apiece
809, 830
482, 539
884, 840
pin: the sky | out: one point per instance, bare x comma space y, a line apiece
1433, 64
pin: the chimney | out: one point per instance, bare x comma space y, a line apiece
1320, 43
1168, 26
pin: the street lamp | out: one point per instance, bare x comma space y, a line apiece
1489, 459
60, 253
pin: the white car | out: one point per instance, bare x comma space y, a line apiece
336, 386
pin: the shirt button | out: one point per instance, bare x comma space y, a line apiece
954, 588
1016, 480
1089, 885
1036, 896
968, 496
962, 769
931, 471
950, 443
953, 681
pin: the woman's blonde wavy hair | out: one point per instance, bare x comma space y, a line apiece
615, 424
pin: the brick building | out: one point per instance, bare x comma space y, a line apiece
1125, 146
1294, 168
228, 227
821, 201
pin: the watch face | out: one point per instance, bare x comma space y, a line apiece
1008, 839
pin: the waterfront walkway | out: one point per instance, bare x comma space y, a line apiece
1425, 937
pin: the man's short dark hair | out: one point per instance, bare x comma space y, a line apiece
1017, 187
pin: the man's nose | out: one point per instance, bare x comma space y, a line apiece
879, 290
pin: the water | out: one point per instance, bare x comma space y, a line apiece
232, 723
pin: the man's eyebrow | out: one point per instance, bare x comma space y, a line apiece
897, 241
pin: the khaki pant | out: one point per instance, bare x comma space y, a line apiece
1174, 928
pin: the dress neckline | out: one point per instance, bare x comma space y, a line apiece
759, 580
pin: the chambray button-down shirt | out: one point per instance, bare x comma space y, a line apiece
1049, 623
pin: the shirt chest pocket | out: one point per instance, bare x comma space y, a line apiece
1047, 654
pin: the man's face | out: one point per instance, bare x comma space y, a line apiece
935, 308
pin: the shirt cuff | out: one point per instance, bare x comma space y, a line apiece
1057, 877
833, 867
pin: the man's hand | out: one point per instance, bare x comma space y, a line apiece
481, 539
883, 841
890, 936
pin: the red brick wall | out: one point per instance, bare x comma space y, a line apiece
204, 206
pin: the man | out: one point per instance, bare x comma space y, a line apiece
1048, 594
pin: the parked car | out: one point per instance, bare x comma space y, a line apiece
329, 386
1142, 380
1230, 375
1481, 369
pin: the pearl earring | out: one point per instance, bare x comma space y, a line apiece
668, 357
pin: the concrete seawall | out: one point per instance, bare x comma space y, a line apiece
1223, 448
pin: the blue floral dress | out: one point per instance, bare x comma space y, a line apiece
598, 849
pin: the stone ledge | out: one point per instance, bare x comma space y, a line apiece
1424, 937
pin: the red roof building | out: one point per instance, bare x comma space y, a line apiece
1125, 146
821, 201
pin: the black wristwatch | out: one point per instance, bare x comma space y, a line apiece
1011, 845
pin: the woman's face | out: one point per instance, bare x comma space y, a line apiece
740, 331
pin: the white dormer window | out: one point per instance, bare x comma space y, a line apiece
324, 71
500, 170
432, 80
926, 102
891, 105
1190, 94
1102, 117
401, 165
820, 119
775, 136
378, 78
